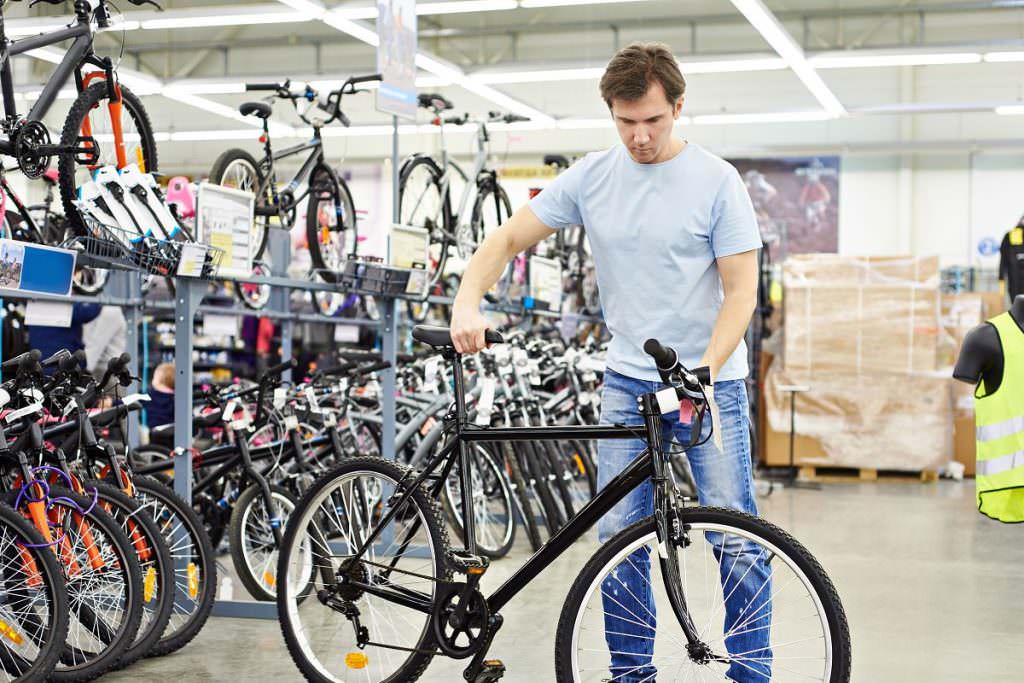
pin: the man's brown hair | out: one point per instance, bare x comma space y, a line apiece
635, 67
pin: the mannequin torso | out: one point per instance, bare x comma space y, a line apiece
981, 356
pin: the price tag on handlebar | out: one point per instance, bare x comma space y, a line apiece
135, 398
519, 357
69, 408
32, 394
229, 410
5, 398
280, 397
485, 404
314, 406
330, 420
291, 422
21, 412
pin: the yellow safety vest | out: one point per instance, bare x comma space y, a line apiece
999, 417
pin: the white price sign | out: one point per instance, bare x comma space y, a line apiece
224, 219
546, 281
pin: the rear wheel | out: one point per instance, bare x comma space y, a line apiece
239, 170
330, 223
423, 204
333, 518
254, 551
491, 505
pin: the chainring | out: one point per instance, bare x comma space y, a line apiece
459, 642
28, 138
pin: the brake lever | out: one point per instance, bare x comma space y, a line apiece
140, 3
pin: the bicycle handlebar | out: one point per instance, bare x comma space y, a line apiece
265, 86
280, 368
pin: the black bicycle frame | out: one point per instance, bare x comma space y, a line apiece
78, 53
650, 463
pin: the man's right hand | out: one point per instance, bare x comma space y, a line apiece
468, 327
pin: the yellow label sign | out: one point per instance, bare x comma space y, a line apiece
528, 172
1017, 237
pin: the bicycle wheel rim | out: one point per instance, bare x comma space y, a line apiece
32, 628
705, 613
492, 504
334, 217
189, 569
259, 549
326, 638
241, 174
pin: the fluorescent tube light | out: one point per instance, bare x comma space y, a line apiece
773, 117
240, 19
867, 61
1011, 110
1004, 57
569, 3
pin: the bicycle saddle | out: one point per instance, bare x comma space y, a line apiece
432, 335
258, 109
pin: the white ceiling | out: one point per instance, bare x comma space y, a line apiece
960, 98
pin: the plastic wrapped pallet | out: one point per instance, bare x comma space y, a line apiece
887, 420
860, 315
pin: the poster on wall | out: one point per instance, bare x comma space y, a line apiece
796, 200
396, 57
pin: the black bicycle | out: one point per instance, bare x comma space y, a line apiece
330, 215
738, 598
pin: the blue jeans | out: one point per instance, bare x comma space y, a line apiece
723, 479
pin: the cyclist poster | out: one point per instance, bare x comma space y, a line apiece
796, 200
12, 259
396, 57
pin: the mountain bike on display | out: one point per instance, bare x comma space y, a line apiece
736, 597
331, 230
107, 124
426, 189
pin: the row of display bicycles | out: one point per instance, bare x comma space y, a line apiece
105, 564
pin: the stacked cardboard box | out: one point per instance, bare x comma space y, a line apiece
863, 334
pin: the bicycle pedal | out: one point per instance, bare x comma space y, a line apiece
492, 670
468, 563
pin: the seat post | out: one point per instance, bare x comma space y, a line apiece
452, 355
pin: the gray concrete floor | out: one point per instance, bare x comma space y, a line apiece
932, 591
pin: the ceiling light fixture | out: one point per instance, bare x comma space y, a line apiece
772, 117
765, 23
1011, 110
830, 61
530, 4
1004, 57
239, 19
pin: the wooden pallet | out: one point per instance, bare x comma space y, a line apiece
846, 475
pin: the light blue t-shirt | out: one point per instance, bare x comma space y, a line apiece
655, 231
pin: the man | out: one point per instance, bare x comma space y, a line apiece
675, 240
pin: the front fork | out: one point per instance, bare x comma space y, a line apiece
261, 481
670, 531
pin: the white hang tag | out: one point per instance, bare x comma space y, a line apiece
314, 405
229, 410
430, 369
291, 422
243, 422
5, 398
520, 357
485, 404
343, 385
280, 397
589, 376
32, 394
329, 419
668, 401
584, 398
69, 408
131, 399
21, 412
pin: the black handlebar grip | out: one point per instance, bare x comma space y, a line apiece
119, 363
289, 364
56, 358
70, 362
373, 367
336, 369
365, 79
493, 337
263, 86
664, 357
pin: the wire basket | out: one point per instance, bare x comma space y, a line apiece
120, 248
372, 277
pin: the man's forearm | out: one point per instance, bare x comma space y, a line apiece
731, 326
484, 269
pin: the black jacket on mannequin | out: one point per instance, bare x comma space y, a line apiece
981, 356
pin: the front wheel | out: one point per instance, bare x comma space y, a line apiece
759, 602
251, 536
